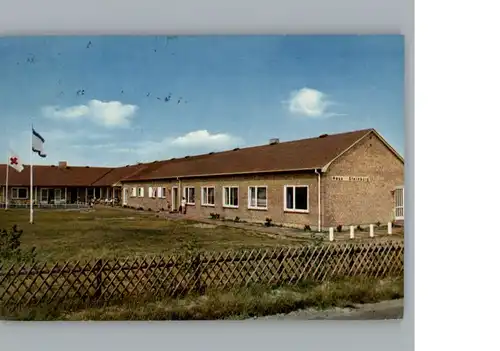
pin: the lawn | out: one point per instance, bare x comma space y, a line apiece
115, 232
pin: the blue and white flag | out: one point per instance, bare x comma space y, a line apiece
37, 144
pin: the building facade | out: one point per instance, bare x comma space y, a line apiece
352, 183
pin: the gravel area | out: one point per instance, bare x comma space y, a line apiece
392, 309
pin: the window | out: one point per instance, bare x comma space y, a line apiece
208, 196
399, 203
134, 192
19, 193
257, 197
163, 192
189, 195
153, 192
159, 192
58, 194
297, 198
140, 192
230, 196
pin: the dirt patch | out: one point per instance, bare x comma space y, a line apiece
204, 226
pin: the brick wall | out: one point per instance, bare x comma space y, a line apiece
359, 202
275, 197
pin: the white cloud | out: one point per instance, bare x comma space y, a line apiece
202, 138
105, 113
199, 141
310, 103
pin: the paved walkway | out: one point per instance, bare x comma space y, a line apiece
287, 232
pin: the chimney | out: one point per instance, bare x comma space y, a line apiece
63, 164
273, 141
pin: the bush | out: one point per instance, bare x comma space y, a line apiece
358, 228
268, 222
237, 219
339, 228
10, 246
307, 228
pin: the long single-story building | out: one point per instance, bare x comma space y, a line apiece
352, 178
63, 184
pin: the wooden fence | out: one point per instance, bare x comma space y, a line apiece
104, 280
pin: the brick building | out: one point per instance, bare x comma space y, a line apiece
349, 178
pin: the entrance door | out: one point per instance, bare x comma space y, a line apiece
45, 196
125, 196
175, 198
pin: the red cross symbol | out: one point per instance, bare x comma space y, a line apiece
13, 160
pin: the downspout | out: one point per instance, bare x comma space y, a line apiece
179, 197
319, 198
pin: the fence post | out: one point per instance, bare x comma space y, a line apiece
351, 235
389, 228
98, 276
371, 231
331, 234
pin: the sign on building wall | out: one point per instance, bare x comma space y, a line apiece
351, 178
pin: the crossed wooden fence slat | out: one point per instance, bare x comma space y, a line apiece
104, 280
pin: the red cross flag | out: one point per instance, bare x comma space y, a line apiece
15, 162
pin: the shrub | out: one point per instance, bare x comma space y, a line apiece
237, 219
268, 222
214, 216
358, 228
150, 209
339, 228
10, 246
378, 224
307, 228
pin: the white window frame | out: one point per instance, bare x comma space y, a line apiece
16, 190
150, 192
163, 192
203, 202
186, 195
399, 206
224, 204
140, 191
294, 198
133, 193
257, 207
159, 192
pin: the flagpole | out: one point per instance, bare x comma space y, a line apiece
7, 183
31, 175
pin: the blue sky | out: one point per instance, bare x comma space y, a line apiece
222, 92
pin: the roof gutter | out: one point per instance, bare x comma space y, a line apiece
219, 174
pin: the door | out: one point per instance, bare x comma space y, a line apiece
125, 196
399, 203
175, 198
45, 196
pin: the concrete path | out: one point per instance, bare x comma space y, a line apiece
393, 309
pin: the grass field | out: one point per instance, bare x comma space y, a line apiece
237, 304
111, 232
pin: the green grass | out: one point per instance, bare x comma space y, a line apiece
114, 232
238, 304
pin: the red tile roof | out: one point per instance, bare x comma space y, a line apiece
305, 154
53, 176
115, 175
